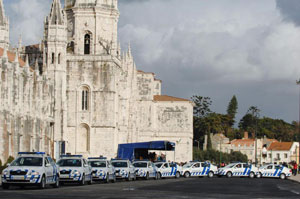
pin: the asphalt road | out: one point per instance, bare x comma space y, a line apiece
171, 188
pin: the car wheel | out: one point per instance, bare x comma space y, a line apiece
177, 175
91, 180
187, 174
258, 175
107, 178
282, 176
56, 185
210, 174
251, 175
147, 176
114, 179
129, 177
42, 184
5, 186
158, 175
229, 174
82, 182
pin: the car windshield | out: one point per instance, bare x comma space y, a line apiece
28, 161
187, 165
97, 164
140, 164
69, 163
158, 165
119, 164
230, 166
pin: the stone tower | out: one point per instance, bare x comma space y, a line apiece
4, 28
92, 26
55, 44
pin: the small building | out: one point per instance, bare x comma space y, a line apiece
280, 152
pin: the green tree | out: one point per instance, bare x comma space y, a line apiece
232, 110
202, 105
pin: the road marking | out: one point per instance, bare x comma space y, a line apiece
286, 189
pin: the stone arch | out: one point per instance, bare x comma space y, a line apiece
83, 138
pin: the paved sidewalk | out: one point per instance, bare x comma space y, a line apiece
295, 178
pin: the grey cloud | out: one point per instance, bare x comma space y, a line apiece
290, 9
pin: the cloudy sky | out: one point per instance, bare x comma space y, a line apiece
215, 48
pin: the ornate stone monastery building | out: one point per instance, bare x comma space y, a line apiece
78, 93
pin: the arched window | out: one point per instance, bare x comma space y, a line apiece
58, 58
52, 58
85, 99
87, 44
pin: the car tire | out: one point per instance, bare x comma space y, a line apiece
91, 180
5, 186
259, 175
129, 177
282, 176
82, 182
210, 174
107, 178
229, 174
187, 174
114, 179
177, 175
251, 175
159, 175
156, 176
57, 183
42, 184
147, 176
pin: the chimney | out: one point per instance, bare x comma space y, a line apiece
246, 135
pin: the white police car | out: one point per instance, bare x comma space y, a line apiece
31, 168
102, 169
238, 169
167, 170
124, 169
74, 168
199, 169
274, 171
145, 169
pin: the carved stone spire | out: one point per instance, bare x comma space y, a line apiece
2, 14
56, 16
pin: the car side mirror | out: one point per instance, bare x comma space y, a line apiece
8, 164
48, 165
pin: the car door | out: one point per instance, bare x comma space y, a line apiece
196, 169
173, 168
150, 169
166, 171
269, 171
87, 169
246, 169
48, 170
238, 170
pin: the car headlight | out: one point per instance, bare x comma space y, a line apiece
5, 172
76, 172
34, 173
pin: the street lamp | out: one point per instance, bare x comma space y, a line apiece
297, 158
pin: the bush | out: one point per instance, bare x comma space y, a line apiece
217, 157
9, 160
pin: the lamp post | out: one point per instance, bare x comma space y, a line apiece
297, 158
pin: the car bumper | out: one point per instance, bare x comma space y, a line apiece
34, 179
69, 178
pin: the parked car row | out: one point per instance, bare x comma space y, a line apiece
37, 168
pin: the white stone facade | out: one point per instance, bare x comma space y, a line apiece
100, 99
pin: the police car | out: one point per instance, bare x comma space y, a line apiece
167, 170
238, 169
145, 169
31, 168
102, 169
274, 171
74, 168
199, 169
124, 169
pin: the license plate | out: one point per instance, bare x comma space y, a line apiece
64, 176
18, 177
